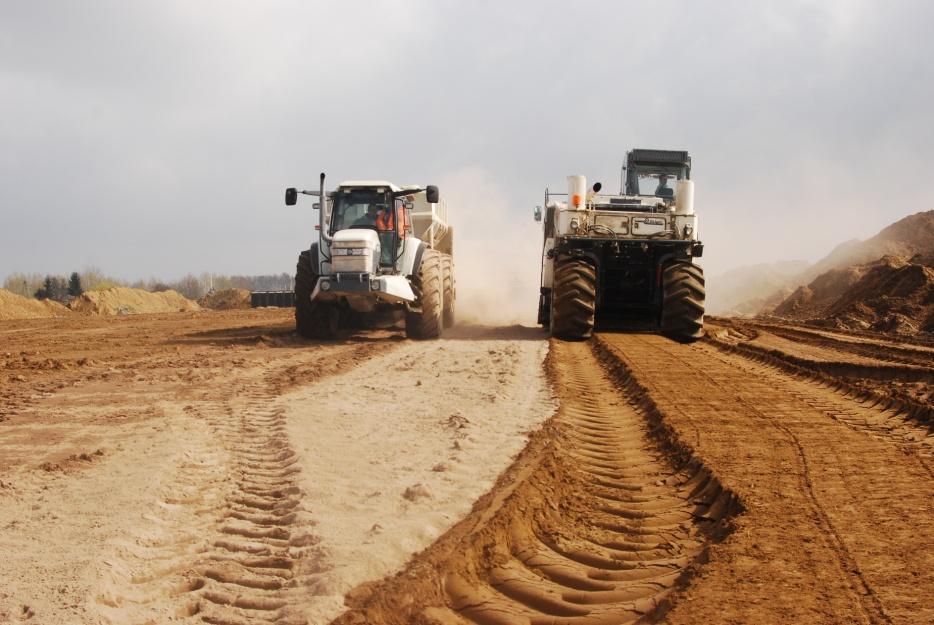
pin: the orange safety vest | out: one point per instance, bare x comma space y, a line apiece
384, 220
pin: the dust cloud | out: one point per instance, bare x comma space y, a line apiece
497, 250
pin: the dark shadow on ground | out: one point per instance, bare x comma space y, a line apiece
284, 335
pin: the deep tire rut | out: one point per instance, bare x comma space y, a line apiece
598, 527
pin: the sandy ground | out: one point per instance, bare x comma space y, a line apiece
167, 467
212, 467
696, 484
418, 435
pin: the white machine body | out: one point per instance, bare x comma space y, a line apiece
589, 214
349, 263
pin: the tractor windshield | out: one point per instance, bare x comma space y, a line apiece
657, 176
359, 209
375, 210
658, 184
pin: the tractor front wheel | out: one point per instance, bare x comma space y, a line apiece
313, 320
426, 321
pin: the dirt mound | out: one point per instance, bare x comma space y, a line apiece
126, 301
13, 306
892, 294
226, 299
904, 238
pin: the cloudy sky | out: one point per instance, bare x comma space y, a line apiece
156, 138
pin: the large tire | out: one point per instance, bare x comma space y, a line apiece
313, 320
448, 292
427, 322
683, 301
573, 300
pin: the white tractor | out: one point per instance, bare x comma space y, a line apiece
384, 253
616, 259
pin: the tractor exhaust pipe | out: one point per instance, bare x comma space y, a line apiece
322, 198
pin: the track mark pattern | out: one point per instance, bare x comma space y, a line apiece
228, 541
887, 415
853, 517
599, 528
250, 572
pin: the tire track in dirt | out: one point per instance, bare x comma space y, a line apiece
855, 504
230, 541
248, 573
887, 414
888, 351
598, 522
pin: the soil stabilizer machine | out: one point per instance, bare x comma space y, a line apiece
384, 253
611, 260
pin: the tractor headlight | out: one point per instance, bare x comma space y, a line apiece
325, 285
374, 284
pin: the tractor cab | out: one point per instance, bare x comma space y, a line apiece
655, 173
379, 209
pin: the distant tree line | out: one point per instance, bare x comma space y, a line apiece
62, 289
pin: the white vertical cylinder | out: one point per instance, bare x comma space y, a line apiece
577, 200
684, 198
577, 192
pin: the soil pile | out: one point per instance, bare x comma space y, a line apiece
226, 299
777, 288
822, 292
13, 306
905, 238
126, 301
892, 294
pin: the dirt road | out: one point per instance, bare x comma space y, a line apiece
212, 467
719, 482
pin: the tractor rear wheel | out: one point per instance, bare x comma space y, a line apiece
573, 300
313, 320
683, 301
448, 291
426, 323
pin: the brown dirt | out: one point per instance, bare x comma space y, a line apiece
213, 467
905, 238
891, 295
126, 301
833, 527
226, 299
13, 306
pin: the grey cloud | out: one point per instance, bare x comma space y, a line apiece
155, 138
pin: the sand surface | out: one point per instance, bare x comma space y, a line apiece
152, 467
396, 451
127, 301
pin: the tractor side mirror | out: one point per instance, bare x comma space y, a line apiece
597, 186
431, 194
538, 213
291, 197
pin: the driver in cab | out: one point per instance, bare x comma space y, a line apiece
378, 216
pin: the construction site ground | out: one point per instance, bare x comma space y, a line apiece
213, 467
